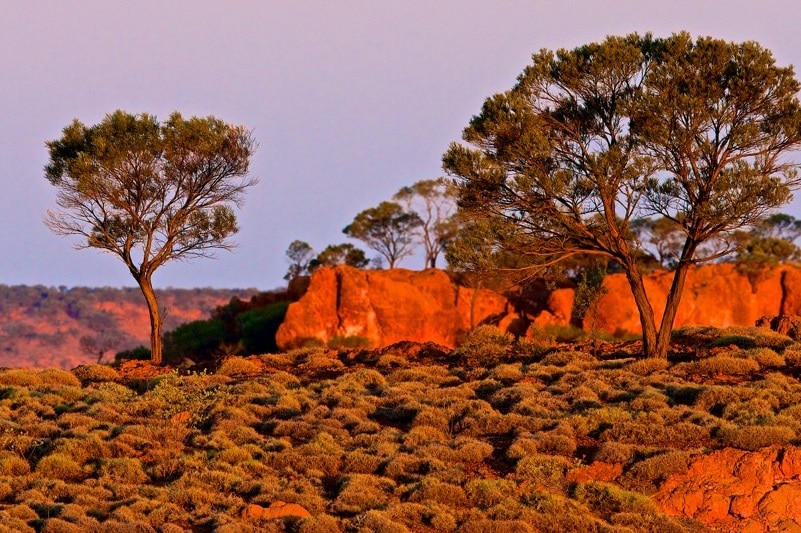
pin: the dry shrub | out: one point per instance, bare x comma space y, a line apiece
95, 373
20, 378
369, 378
719, 365
362, 492
55, 377
234, 455
421, 435
12, 464
485, 346
443, 521
792, 354
553, 443
646, 367
360, 462
608, 500
547, 470
245, 435
239, 366
765, 357
568, 357
57, 525
646, 475
60, 466
469, 450
751, 412
615, 452
486, 493
522, 446
496, 526
753, 438
379, 522
431, 489
321, 523
507, 373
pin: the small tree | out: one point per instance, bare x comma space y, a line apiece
300, 255
434, 202
340, 254
150, 192
590, 139
387, 229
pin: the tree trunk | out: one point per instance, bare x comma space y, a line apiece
647, 317
155, 319
671, 308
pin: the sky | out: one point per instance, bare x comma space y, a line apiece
348, 100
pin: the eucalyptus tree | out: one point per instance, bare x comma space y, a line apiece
434, 202
387, 228
150, 192
699, 132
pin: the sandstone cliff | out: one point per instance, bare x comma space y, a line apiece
386, 306
714, 295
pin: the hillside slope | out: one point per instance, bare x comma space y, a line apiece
42, 326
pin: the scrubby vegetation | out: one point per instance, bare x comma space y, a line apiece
409, 438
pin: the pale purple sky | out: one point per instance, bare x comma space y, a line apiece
349, 100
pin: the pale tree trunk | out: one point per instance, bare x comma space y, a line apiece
155, 319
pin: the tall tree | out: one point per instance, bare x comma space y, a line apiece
434, 202
150, 192
387, 229
589, 139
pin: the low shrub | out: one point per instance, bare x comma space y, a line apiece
485, 346
752, 438
646, 475
238, 366
724, 365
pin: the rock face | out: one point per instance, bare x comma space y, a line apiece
386, 306
715, 295
733, 490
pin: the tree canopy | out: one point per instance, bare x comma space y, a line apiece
433, 201
387, 229
588, 140
150, 192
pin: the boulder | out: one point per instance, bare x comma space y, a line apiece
382, 307
735, 490
789, 325
276, 510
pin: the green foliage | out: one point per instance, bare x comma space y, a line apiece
139, 353
340, 254
196, 340
258, 327
387, 229
150, 192
299, 254
586, 142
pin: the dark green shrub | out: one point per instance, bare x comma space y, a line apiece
257, 327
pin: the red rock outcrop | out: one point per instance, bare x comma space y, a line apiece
734, 490
715, 295
276, 510
386, 306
